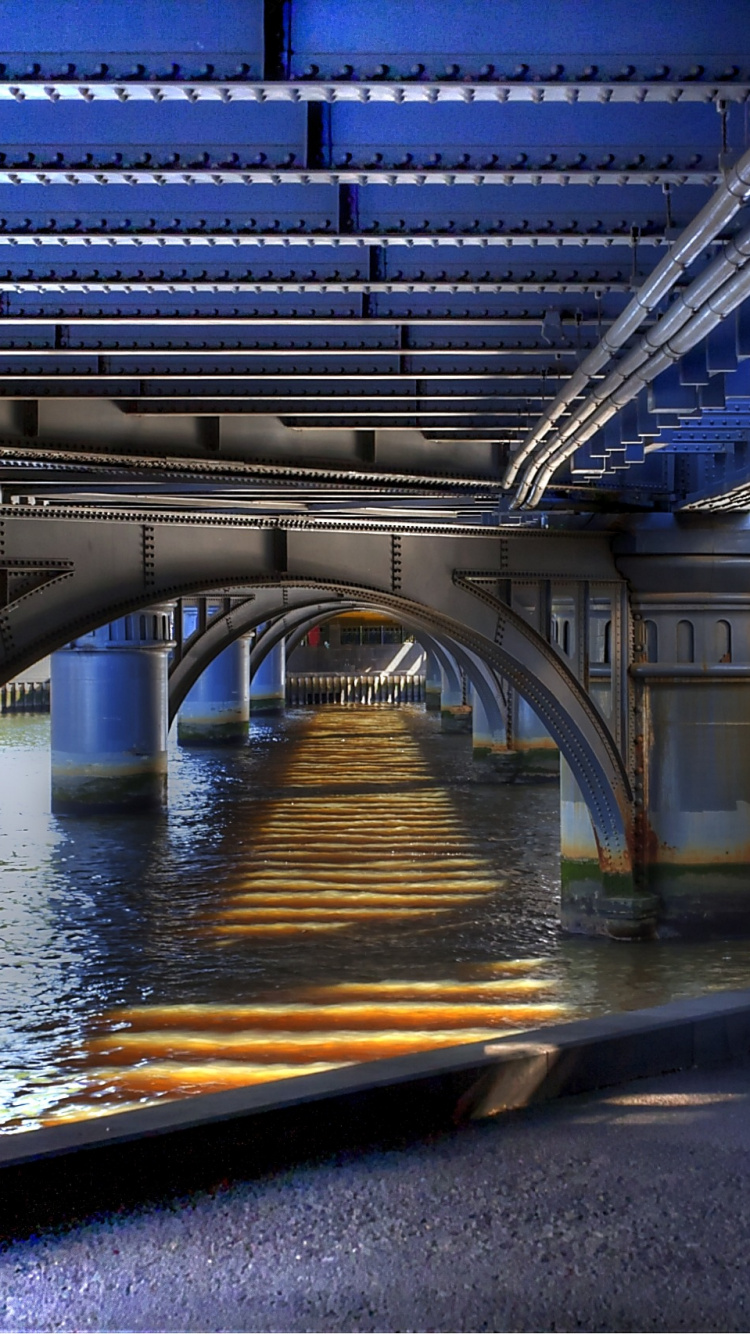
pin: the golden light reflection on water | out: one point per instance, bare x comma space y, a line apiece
389, 855
312, 1013
516, 986
300, 899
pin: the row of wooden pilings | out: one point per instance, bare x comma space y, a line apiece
24, 697
378, 688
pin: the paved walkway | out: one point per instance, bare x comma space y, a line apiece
628, 1210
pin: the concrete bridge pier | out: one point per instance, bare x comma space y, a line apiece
690, 678
693, 746
109, 715
268, 683
216, 710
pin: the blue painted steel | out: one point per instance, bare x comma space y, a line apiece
402, 31
77, 31
693, 368
721, 347
520, 167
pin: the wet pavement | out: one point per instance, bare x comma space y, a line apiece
622, 1210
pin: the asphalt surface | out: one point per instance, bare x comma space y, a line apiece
627, 1210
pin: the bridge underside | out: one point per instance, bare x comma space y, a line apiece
440, 310
329, 259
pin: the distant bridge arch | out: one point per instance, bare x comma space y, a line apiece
293, 626
523, 657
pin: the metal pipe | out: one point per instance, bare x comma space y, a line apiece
734, 256
703, 229
721, 304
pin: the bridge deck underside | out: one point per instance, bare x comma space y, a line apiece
339, 259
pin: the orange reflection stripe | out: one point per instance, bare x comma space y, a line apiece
406, 990
300, 898
321, 914
301, 1017
129, 1050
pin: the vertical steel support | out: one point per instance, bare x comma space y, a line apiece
277, 39
621, 657
583, 638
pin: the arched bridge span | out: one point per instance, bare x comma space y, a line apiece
119, 562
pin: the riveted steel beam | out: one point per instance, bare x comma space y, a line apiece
359, 380
450, 176
35, 457
274, 404
730, 496
355, 377
455, 240
217, 320
671, 92
251, 351
312, 396
541, 286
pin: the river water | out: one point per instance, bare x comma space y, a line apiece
349, 884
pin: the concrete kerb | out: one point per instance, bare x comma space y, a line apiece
266, 1125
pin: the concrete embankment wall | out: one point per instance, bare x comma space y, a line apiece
67, 1171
